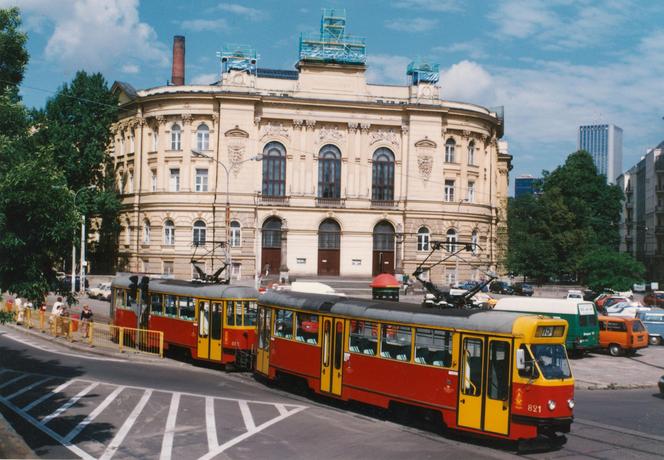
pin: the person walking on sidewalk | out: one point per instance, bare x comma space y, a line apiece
86, 319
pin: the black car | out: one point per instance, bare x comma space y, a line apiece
64, 284
500, 287
523, 289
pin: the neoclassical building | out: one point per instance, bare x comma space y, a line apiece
310, 172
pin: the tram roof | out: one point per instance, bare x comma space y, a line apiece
192, 289
501, 322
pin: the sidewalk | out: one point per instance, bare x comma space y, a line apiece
11, 444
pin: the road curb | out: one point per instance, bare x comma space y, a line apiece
11, 444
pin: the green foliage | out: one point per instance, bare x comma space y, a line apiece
13, 54
7, 317
605, 267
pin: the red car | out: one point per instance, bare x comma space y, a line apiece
655, 298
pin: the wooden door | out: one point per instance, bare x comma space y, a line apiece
328, 262
271, 256
383, 262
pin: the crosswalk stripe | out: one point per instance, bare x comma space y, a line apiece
124, 430
28, 388
211, 424
98, 410
169, 432
68, 404
246, 416
47, 395
15, 379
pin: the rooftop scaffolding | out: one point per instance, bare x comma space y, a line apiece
422, 71
238, 57
332, 44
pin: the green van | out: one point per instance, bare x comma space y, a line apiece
583, 333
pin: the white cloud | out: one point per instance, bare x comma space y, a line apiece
250, 13
131, 68
385, 68
472, 49
431, 5
94, 35
205, 79
467, 81
199, 25
411, 25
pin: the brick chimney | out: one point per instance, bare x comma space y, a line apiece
177, 77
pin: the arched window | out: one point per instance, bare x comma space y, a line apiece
121, 182
329, 235
449, 151
146, 231
329, 172
471, 153
130, 181
423, 239
474, 239
169, 233
451, 239
203, 138
272, 233
383, 237
176, 137
236, 234
274, 169
199, 233
382, 184
155, 140
128, 233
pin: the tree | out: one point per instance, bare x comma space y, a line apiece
605, 267
13, 55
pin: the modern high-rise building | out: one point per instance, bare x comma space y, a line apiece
527, 185
604, 143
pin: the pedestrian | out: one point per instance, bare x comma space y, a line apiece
86, 319
57, 305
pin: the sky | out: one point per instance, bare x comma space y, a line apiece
553, 64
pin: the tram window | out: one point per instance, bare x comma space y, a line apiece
171, 306
186, 305
363, 337
499, 370
203, 323
307, 328
131, 301
230, 313
215, 323
472, 367
283, 324
250, 311
433, 347
587, 320
156, 304
396, 342
120, 298
530, 370
338, 344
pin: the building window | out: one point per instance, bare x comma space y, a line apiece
329, 172
329, 235
449, 151
199, 233
169, 233
382, 183
201, 180
146, 265
236, 234
153, 179
471, 153
449, 190
450, 240
471, 192
236, 270
474, 239
274, 169
130, 181
167, 267
176, 137
121, 183
128, 233
175, 180
383, 236
155, 140
271, 233
203, 138
132, 144
146, 231
451, 278
423, 239
122, 145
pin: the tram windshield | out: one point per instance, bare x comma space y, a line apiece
552, 361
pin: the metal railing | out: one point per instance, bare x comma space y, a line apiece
95, 335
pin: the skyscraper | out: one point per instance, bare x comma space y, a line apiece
527, 185
604, 143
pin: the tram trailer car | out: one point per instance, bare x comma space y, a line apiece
213, 322
498, 374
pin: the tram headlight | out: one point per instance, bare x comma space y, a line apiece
551, 404
571, 403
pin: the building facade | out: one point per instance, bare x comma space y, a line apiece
354, 179
527, 185
605, 144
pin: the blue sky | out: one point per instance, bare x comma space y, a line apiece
553, 64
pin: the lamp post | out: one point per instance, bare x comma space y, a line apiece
73, 249
199, 154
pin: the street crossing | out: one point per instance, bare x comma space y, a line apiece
100, 420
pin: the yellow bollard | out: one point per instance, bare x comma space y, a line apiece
161, 344
42, 320
90, 330
70, 329
121, 340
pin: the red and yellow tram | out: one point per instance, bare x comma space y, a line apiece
214, 322
499, 374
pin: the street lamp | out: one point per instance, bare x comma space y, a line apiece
199, 154
73, 249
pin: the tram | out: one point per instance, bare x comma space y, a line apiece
499, 374
212, 322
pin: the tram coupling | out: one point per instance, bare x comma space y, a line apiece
244, 359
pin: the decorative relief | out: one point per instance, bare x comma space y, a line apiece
365, 127
404, 129
236, 132
275, 129
257, 120
298, 123
160, 119
332, 133
465, 134
425, 165
353, 126
236, 150
387, 135
186, 118
215, 118
310, 123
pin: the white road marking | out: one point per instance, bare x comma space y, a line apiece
169, 432
93, 415
246, 416
29, 387
69, 403
211, 424
47, 395
15, 379
124, 430
61, 353
281, 408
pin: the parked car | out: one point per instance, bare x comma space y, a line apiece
613, 300
500, 287
574, 294
64, 284
622, 335
654, 322
655, 298
625, 309
101, 291
523, 289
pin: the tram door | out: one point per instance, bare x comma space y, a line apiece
332, 350
209, 329
471, 380
497, 395
263, 350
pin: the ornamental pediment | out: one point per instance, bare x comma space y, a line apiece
426, 144
236, 132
